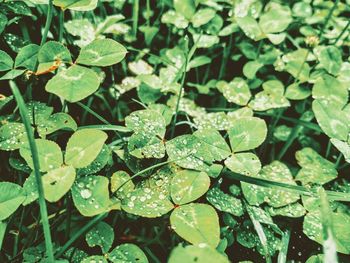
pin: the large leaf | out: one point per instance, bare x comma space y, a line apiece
27, 57
330, 59
11, 197
102, 53
197, 224
91, 195
187, 8
6, 61
74, 84
188, 186
247, 133
49, 153
236, 91
196, 254
58, 182
276, 19
84, 146
250, 27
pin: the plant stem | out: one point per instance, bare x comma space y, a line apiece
342, 33
320, 35
48, 22
179, 97
34, 151
135, 17
61, 26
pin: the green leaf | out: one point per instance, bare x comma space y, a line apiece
127, 253
121, 184
332, 120
225, 202
217, 146
276, 19
74, 84
12, 136
193, 254
6, 61
101, 53
149, 131
278, 172
56, 122
58, 182
101, 235
147, 202
247, 133
99, 259
51, 55
292, 210
98, 164
91, 195
27, 57
12, 196
31, 189
84, 146
312, 227
187, 8
172, 17
343, 147
244, 163
197, 224
236, 91
295, 63
3, 23
297, 92
202, 17
315, 169
49, 153
188, 186
189, 152
250, 27
76, 5
3, 227
270, 98
38, 112
12, 74
330, 90
330, 59
251, 68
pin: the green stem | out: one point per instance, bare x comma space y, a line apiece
320, 35
179, 97
61, 26
48, 22
342, 33
135, 17
80, 232
34, 151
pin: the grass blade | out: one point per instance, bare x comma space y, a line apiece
282, 256
34, 151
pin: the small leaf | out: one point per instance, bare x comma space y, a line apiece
127, 253
84, 146
12, 196
101, 235
91, 195
250, 27
292, 210
77, 5
57, 182
225, 202
193, 254
74, 84
247, 133
236, 91
244, 163
12, 136
98, 164
188, 186
202, 17
101, 53
27, 57
49, 154
187, 8
197, 224
56, 122
315, 169
276, 19
330, 59
6, 61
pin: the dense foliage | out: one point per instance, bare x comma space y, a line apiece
174, 131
